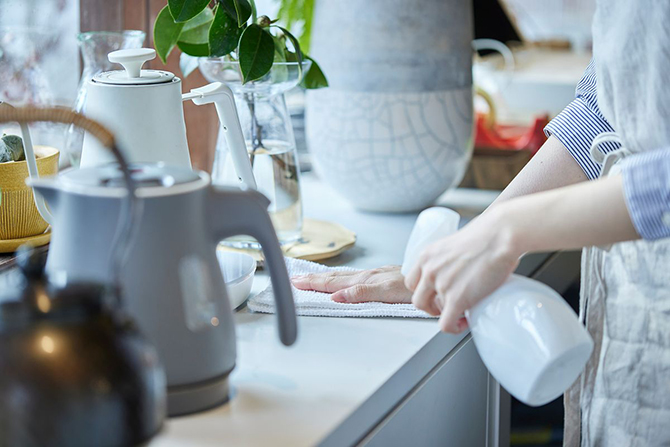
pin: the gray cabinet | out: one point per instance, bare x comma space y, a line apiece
443, 396
448, 408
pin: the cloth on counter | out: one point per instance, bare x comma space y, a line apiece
310, 303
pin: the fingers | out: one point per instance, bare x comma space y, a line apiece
325, 282
360, 293
413, 277
393, 292
424, 297
451, 319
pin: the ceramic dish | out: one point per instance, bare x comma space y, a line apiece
320, 240
11, 245
238, 271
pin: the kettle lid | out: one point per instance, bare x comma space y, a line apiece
132, 61
146, 175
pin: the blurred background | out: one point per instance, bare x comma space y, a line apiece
519, 86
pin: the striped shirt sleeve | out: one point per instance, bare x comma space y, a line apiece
580, 122
646, 184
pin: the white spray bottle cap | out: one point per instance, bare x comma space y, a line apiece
432, 225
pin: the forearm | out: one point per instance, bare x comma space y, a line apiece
552, 167
576, 216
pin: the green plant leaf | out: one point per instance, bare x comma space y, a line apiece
254, 12
294, 41
223, 34
280, 49
279, 69
289, 11
298, 11
187, 64
194, 49
239, 10
314, 78
306, 33
296, 47
185, 10
257, 51
196, 30
166, 33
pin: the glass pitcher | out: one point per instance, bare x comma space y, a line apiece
268, 133
95, 46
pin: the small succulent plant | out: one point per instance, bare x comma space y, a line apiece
11, 148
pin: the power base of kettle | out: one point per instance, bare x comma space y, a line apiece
170, 280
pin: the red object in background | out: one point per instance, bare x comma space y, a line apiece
510, 137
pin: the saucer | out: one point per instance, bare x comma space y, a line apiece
320, 240
11, 245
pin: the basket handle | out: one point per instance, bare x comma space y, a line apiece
130, 213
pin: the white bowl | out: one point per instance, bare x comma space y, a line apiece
238, 272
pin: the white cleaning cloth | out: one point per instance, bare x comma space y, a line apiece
319, 304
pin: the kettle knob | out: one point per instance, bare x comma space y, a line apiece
132, 59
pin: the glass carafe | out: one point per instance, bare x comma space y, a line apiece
95, 46
268, 133
27, 73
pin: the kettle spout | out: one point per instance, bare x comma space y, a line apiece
48, 189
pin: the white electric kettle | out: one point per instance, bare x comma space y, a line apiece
143, 108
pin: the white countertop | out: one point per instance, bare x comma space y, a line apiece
295, 396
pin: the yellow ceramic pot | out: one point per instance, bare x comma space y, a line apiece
19, 217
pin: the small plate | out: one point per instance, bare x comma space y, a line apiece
11, 245
238, 271
320, 240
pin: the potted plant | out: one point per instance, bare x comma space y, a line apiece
260, 61
20, 221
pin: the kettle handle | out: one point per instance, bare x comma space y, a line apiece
232, 212
224, 102
131, 212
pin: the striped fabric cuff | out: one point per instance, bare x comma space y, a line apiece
646, 183
576, 127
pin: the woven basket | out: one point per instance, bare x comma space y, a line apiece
19, 217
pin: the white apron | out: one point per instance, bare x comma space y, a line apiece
623, 396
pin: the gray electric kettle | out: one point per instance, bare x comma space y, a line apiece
171, 279
169, 276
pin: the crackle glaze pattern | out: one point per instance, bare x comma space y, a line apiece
390, 151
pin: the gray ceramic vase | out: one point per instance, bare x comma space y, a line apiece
394, 129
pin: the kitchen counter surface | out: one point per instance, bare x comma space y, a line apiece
297, 396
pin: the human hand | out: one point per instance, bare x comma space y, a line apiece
455, 273
385, 284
